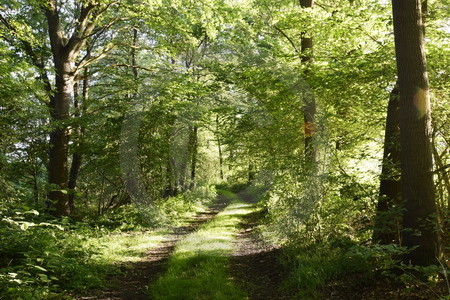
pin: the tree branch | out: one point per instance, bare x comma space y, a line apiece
289, 40
86, 25
88, 59
132, 66
57, 39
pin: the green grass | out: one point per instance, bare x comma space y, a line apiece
199, 267
124, 247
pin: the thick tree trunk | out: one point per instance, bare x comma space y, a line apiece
309, 101
387, 222
58, 166
419, 221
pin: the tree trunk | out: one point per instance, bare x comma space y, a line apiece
309, 101
58, 167
219, 145
193, 145
77, 157
442, 173
387, 221
170, 189
419, 220
251, 173
133, 54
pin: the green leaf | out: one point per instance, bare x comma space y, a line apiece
44, 278
40, 268
24, 226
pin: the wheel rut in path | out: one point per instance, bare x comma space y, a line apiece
255, 265
134, 284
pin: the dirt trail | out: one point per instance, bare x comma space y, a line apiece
255, 264
133, 285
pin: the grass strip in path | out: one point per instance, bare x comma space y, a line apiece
199, 266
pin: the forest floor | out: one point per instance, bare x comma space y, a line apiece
253, 265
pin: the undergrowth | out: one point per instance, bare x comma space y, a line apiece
46, 258
316, 267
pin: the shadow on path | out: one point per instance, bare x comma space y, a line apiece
255, 264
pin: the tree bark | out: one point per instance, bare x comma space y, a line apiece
387, 221
419, 220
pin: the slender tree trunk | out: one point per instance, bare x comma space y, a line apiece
171, 178
419, 220
309, 108
182, 173
251, 173
442, 173
387, 222
219, 145
77, 157
35, 181
193, 142
133, 54
170, 185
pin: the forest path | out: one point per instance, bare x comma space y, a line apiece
255, 264
133, 285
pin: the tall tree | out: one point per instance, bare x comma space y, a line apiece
64, 53
69, 24
419, 221
309, 108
